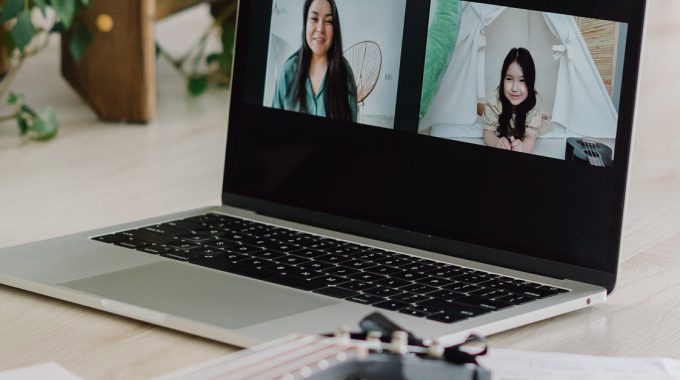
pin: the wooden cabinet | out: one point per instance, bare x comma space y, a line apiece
117, 74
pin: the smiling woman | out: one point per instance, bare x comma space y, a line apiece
317, 79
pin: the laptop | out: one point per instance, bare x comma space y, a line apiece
459, 166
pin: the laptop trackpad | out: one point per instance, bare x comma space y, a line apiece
219, 299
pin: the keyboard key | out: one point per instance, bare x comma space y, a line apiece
489, 293
293, 260
418, 288
283, 269
409, 276
299, 283
343, 250
393, 283
309, 253
482, 302
170, 229
221, 244
447, 271
178, 244
417, 267
394, 261
333, 291
154, 249
366, 299
281, 247
410, 297
269, 255
426, 309
150, 236
243, 249
453, 308
356, 285
445, 294
333, 259
256, 263
462, 287
516, 299
332, 280
132, 244
113, 238
473, 278
434, 281
340, 271
181, 255
358, 264
391, 305
384, 270
211, 232
367, 255
383, 292
208, 252
367, 277
192, 238
413, 312
446, 317
316, 265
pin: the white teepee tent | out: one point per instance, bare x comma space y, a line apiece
567, 79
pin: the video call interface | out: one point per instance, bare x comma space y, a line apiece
518, 80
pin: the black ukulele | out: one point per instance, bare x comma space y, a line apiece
588, 151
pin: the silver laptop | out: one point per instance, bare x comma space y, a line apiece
459, 166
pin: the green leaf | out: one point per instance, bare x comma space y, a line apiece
86, 3
58, 28
65, 10
80, 38
11, 9
23, 31
15, 98
212, 58
198, 84
22, 122
28, 110
45, 125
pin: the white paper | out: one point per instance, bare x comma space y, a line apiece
52, 371
527, 365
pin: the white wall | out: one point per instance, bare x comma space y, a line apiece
381, 21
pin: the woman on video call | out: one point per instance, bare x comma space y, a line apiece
317, 79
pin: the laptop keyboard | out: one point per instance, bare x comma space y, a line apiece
384, 279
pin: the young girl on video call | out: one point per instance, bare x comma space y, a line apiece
513, 116
317, 79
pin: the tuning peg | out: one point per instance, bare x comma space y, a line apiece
435, 349
373, 341
399, 343
342, 335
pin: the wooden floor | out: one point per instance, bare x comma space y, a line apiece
89, 174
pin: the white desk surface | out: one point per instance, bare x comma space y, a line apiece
94, 175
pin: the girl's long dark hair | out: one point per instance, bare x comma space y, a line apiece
526, 62
337, 84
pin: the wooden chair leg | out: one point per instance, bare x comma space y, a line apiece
117, 74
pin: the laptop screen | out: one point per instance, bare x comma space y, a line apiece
487, 130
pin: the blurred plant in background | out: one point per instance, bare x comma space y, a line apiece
25, 30
202, 68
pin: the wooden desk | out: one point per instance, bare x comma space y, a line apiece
86, 177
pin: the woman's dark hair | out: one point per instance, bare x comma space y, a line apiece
524, 60
336, 99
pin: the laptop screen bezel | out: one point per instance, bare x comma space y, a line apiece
241, 115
